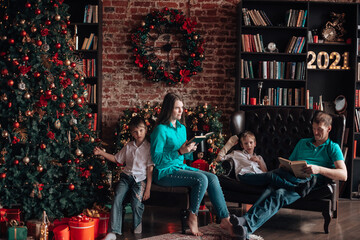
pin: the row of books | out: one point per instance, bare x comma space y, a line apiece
311, 104
276, 96
91, 14
357, 98
91, 96
257, 17
357, 120
93, 123
295, 45
90, 42
295, 18
89, 67
272, 70
252, 43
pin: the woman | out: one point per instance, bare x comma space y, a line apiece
169, 147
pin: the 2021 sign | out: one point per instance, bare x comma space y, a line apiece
325, 61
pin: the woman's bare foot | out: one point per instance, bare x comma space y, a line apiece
226, 224
193, 225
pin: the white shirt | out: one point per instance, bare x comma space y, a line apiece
137, 159
242, 162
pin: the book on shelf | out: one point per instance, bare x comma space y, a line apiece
246, 17
304, 19
83, 46
265, 17
91, 14
307, 102
311, 102
90, 41
358, 71
355, 147
296, 167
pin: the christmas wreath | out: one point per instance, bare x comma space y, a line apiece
168, 22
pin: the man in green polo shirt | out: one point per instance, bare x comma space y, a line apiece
324, 159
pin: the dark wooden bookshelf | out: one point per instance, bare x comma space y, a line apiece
329, 83
84, 29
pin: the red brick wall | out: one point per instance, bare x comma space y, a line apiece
123, 84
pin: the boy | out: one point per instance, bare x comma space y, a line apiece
246, 160
135, 179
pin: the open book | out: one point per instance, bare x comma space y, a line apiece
295, 166
198, 139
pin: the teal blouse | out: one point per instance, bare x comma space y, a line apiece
165, 143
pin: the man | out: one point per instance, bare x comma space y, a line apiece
324, 159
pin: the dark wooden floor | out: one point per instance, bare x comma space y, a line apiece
287, 224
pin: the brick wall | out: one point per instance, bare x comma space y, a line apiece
123, 84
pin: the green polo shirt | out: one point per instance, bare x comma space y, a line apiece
165, 142
324, 155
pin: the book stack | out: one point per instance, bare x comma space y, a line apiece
91, 97
89, 67
90, 42
257, 17
295, 45
252, 43
91, 14
295, 18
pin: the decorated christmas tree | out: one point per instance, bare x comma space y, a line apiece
46, 141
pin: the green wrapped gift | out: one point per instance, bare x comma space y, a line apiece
17, 231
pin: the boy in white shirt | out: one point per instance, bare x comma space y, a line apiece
136, 177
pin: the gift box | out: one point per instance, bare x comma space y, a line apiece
61, 232
103, 223
13, 214
81, 228
33, 227
3, 222
17, 231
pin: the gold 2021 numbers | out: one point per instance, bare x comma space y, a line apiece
325, 61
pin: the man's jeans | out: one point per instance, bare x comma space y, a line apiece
127, 186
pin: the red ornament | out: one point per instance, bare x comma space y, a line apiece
10, 82
76, 75
16, 162
9, 104
3, 175
36, 74
75, 96
16, 125
27, 5
6, 17
68, 22
58, 45
61, 95
42, 146
73, 65
63, 74
192, 55
54, 97
11, 41
89, 115
39, 43
47, 22
37, 11
161, 68
25, 58
194, 73
62, 105
71, 187
152, 27
23, 33
61, 114
100, 187
91, 167
77, 161
48, 92
4, 71
69, 161
64, 32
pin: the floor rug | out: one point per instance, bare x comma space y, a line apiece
211, 232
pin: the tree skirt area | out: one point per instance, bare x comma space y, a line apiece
211, 232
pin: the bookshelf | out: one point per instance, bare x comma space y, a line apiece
318, 71
86, 23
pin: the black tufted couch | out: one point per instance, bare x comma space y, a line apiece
277, 131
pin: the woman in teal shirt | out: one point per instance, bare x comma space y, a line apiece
169, 148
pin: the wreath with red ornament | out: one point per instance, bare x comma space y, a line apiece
166, 47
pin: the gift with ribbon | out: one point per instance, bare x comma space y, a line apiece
81, 228
95, 215
3, 222
33, 227
17, 230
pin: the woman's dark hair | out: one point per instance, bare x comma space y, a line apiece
167, 107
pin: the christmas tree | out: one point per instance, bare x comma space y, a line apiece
46, 140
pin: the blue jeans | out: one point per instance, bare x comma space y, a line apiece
135, 190
278, 178
268, 205
199, 182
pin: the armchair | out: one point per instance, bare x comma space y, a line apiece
277, 131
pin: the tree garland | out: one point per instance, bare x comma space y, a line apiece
203, 118
192, 50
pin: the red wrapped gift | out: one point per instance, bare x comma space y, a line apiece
200, 164
33, 228
6, 215
13, 214
62, 232
81, 228
103, 223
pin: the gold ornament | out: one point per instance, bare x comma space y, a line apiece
78, 101
26, 160
39, 168
143, 23
57, 17
57, 124
92, 139
22, 21
5, 134
195, 37
4, 97
28, 113
201, 55
71, 103
149, 68
27, 95
78, 152
67, 62
209, 141
33, 29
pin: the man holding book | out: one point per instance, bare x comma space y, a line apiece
324, 159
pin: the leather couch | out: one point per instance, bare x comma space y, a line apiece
277, 131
